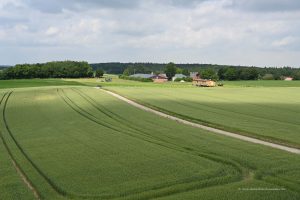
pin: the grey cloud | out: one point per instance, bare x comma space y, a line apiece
8, 22
186, 3
151, 30
266, 5
56, 6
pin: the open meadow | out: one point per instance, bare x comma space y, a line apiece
78, 142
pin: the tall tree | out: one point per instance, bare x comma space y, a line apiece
231, 74
209, 74
248, 74
99, 73
170, 70
186, 72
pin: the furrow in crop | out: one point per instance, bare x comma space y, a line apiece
175, 147
201, 154
120, 120
40, 172
16, 165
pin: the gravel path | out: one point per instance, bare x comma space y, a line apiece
214, 130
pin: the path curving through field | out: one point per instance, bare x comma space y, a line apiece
214, 130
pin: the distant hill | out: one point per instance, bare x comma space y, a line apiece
4, 66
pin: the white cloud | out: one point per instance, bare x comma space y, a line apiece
184, 31
52, 31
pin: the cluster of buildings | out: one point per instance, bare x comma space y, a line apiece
157, 78
161, 78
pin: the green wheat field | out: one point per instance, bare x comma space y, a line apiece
72, 141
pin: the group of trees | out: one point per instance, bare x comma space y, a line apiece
59, 69
210, 71
225, 73
279, 73
99, 73
170, 70
72, 69
221, 73
233, 73
136, 69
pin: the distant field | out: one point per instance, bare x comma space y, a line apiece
262, 83
127, 83
18, 83
264, 112
79, 142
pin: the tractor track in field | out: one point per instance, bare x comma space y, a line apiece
196, 125
20, 172
195, 183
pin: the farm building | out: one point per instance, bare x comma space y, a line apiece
204, 83
142, 75
195, 75
288, 78
161, 78
178, 76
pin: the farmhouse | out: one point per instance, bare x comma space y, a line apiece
194, 75
160, 78
178, 76
204, 82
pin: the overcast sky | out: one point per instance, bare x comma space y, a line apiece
238, 32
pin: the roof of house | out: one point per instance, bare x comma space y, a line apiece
159, 77
193, 73
179, 76
142, 75
164, 75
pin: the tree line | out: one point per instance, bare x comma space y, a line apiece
56, 69
218, 72
73, 69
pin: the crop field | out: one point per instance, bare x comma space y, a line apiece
20, 83
268, 113
74, 142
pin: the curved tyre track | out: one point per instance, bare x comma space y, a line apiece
214, 130
20, 172
195, 184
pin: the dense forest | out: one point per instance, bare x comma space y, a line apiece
58, 69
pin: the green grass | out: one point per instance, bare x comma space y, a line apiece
264, 112
262, 83
20, 83
83, 143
